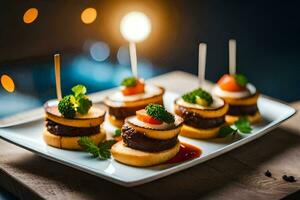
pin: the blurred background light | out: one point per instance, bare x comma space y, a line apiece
99, 51
7, 83
135, 26
88, 15
94, 73
30, 15
123, 55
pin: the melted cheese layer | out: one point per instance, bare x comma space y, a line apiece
163, 126
150, 91
251, 90
217, 103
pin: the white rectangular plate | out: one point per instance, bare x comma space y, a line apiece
29, 136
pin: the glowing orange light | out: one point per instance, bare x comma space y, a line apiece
7, 83
30, 15
89, 15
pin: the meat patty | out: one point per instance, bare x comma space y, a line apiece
69, 131
242, 110
195, 120
139, 141
122, 112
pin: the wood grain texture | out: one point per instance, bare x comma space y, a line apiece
238, 174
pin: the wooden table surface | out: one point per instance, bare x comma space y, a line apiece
238, 174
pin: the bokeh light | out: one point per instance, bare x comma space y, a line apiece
30, 15
95, 73
7, 83
99, 51
123, 55
89, 15
135, 26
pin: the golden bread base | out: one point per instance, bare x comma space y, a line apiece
191, 132
230, 119
242, 101
138, 158
116, 122
70, 143
208, 113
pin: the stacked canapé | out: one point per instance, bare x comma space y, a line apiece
133, 95
73, 117
149, 138
203, 114
240, 95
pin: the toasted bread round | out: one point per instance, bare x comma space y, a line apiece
191, 132
243, 101
70, 143
209, 113
230, 119
138, 158
116, 122
94, 117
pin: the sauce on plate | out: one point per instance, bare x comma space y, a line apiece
186, 152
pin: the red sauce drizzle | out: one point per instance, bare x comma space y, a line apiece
186, 152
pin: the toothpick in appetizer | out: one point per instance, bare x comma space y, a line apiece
241, 95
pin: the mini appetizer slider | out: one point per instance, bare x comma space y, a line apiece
132, 96
73, 117
241, 97
203, 114
149, 138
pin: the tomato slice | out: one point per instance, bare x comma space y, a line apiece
137, 89
144, 117
228, 83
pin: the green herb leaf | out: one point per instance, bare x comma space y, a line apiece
129, 82
160, 113
241, 80
84, 105
89, 146
117, 133
79, 90
226, 130
66, 107
243, 125
104, 149
196, 96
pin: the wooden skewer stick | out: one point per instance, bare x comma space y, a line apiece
57, 76
133, 59
232, 56
202, 63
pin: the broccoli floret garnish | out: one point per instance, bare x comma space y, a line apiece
160, 113
199, 96
241, 80
76, 102
129, 82
66, 107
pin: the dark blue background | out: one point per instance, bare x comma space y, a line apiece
267, 34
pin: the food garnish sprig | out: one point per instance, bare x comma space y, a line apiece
233, 83
132, 85
198, 96
155, 114
74, 103
101, 151
242, 125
